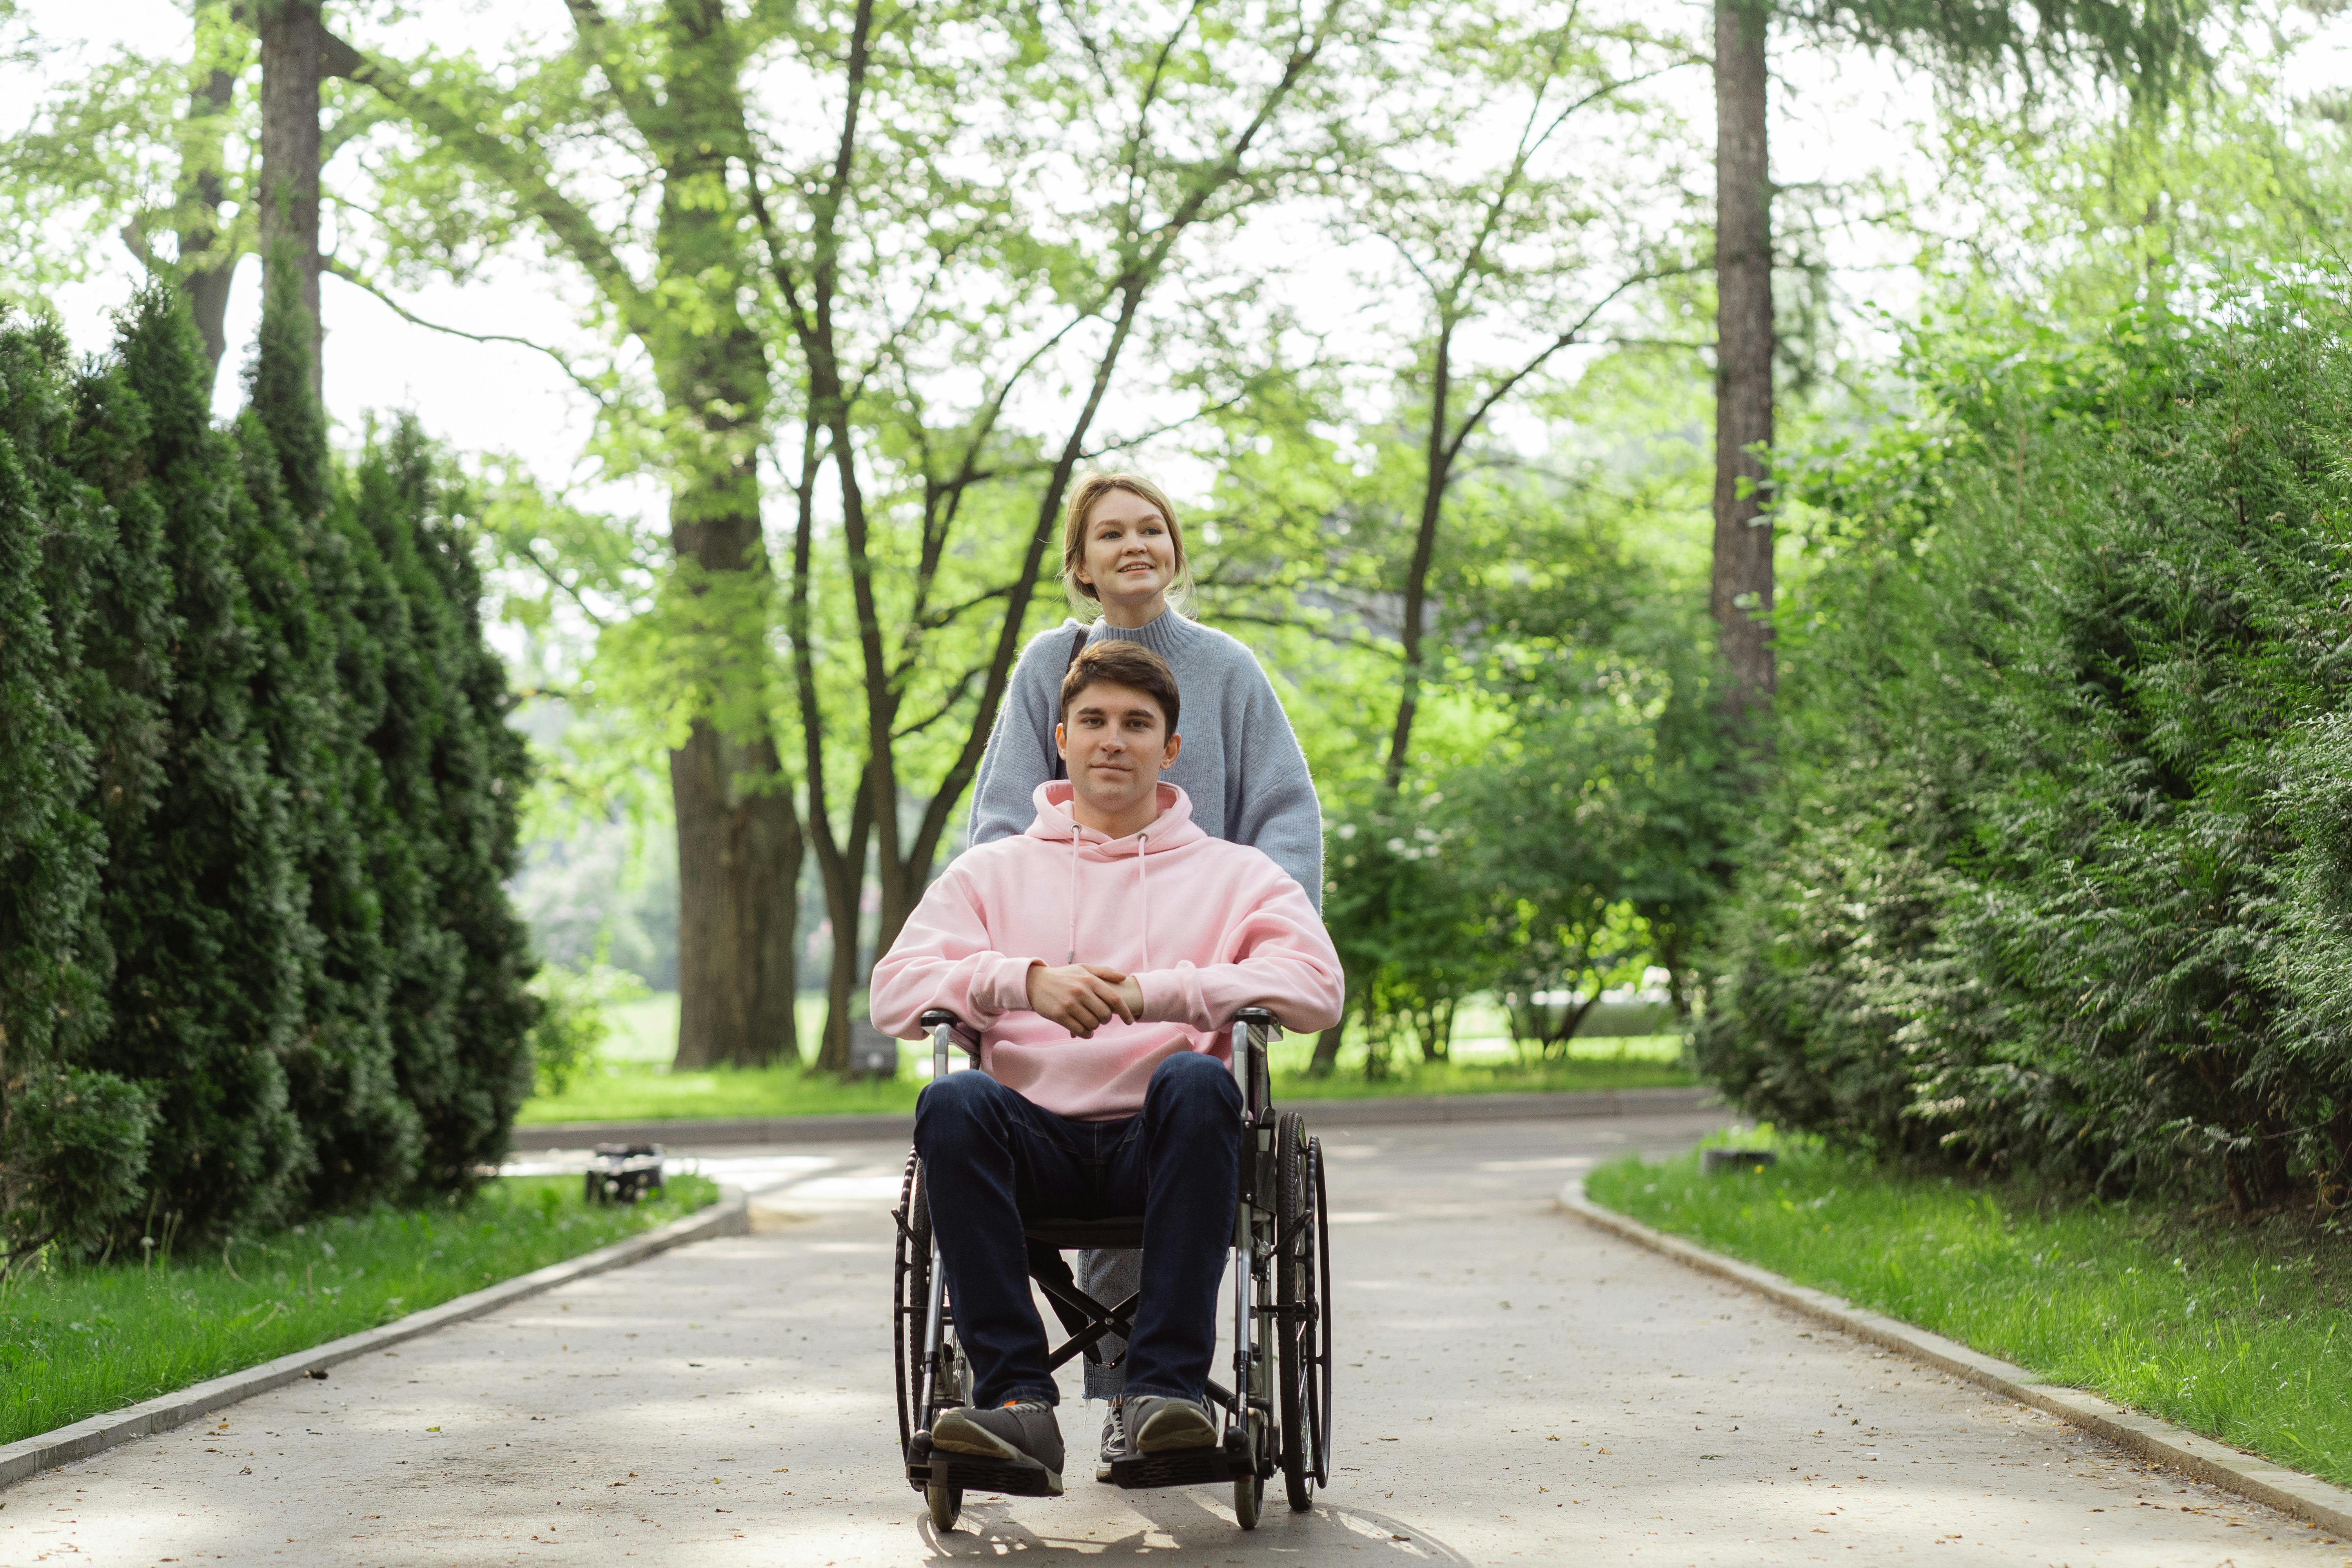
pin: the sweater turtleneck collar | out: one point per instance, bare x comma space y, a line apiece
1163, 634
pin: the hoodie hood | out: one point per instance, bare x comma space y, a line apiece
1172, 829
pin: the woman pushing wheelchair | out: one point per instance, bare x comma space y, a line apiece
1241, 766
1101, 955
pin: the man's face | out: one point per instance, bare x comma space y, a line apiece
1115, 740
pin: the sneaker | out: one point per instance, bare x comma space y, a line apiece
1114, 1441
1023, 1434
1162, 1426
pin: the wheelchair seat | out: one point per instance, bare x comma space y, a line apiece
1064, 1234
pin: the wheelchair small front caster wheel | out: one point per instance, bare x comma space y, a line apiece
1249, 1496
945, 1503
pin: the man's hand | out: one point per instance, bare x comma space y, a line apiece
1082, 998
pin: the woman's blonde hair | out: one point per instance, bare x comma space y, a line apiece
1083, 496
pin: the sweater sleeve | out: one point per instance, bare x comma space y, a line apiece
1020, 755
942, 959
1281, 961
1274, 807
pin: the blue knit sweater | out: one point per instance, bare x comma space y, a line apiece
1241, 763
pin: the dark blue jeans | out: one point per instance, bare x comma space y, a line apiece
991, 1161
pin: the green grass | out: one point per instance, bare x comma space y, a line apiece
75, 1343
635, 1089
2236, 1331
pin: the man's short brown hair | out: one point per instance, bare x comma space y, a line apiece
1116, 661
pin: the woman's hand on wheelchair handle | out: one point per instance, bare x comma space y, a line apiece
1082, 998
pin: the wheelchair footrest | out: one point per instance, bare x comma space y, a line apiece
978, 1474
1183, 1466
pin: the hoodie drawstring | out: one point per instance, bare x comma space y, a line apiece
1074, 895
1142, 899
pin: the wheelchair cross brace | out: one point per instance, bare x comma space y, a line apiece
1094, 1321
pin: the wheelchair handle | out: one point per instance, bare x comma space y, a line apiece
965, 1034
945, 1027
1253, 1028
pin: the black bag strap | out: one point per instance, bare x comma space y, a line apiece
1077, 646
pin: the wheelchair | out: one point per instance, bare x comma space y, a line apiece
1278, 1412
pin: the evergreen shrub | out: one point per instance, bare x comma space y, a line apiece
2055, 872
72, 1141
257, 804
203, 933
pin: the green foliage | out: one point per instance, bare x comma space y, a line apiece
455, 777
1565, 828
198, 911
574, 1021
2151, 47
73, 1148
65, 1172
2047, 878
257, 804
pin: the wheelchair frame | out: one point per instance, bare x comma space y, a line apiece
1281, 1417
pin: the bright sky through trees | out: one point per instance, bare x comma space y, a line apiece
1838, 121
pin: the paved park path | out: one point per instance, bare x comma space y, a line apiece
1516, 1388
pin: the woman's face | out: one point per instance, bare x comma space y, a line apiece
1131, 554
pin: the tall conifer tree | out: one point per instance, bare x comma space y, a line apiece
206, 938
453, 772
73, 1141
320, 692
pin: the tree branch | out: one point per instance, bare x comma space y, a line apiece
353, 276
565, 219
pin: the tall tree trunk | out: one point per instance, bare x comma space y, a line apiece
1436, 473
740, 834
1740, 594
740, 844
739, 863
293, 44
845, 909
205, 272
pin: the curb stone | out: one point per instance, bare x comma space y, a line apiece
730, 1216
2201, 1458
1396, 1111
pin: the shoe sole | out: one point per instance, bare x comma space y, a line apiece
1195, 1432
980, 1443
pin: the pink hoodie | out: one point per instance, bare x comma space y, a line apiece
1207, 928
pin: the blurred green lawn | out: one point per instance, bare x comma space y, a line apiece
632, 1082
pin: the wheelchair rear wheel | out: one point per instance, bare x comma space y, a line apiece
910, 1301
1302, 1287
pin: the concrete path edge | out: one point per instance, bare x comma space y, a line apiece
2201, 1458
729, 1217
1399, 1110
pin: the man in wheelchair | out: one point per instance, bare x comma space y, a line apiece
1099, 954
